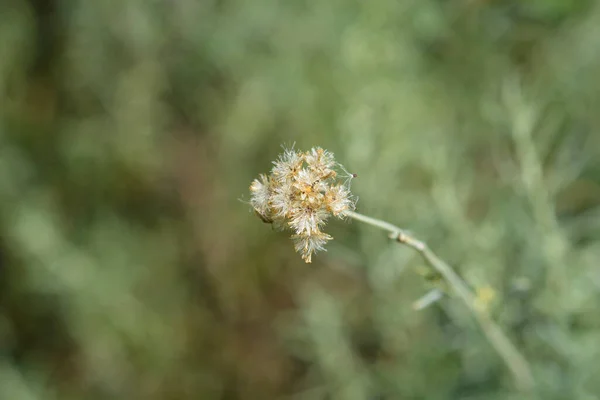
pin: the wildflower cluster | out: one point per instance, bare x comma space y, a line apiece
301, 193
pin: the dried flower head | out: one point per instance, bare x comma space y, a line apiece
301, 193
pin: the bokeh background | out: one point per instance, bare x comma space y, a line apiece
131, 266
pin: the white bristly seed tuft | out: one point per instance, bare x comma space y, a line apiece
301, 193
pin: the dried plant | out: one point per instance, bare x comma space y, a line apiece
303, 191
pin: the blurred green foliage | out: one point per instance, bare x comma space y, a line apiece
130, 130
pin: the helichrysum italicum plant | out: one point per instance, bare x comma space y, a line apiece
303, 190
301, 193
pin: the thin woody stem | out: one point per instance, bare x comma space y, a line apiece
501, 343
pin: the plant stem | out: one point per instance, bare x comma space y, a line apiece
501, 343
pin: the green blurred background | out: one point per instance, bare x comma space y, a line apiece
130, 131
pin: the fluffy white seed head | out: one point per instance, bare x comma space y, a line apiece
306, 245
308, 221
261, 194
287, 166
339, 199
301, 193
